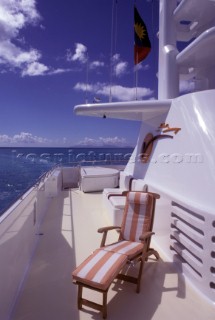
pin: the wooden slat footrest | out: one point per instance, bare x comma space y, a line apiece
92, 304
127, 278
97, 273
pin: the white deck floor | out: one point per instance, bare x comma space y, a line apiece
69, 236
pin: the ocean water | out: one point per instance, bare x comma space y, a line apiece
20, 168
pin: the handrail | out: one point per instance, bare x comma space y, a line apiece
195, 55
45, 175
81, 162
199, 13
35, 185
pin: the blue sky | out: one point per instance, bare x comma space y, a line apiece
51, 51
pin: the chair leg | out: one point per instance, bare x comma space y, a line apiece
133, 279
80, 290
139, 276
100, 307
104, 308
142, 261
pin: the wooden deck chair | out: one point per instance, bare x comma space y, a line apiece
135, 232
99, 270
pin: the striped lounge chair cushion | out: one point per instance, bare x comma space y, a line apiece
129, 248
100, 269
137, 215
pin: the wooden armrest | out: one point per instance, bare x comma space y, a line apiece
124, 193
106, 229
145, 236
155, 195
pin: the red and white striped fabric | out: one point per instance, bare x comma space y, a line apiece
100, 269
137, 215
129, 248
136, 221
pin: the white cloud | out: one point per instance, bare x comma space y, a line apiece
120, 68
103, 141
118, 92
126, 93
14, 16
23, 138
140, 66
14, 56
96, 64
79, 55
27, 139
186, 86
5, 139
35, 69
116, 57
58, 71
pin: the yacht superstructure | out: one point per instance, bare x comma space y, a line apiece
46, 235
181, 165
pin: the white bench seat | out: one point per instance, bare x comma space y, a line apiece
97, 178
114, 201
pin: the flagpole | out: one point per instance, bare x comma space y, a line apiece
111, 50
136, 76
87, 79
136, 80
136, 72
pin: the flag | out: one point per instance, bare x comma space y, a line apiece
142, 45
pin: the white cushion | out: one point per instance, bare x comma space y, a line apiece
138, 185
124, 181
108, 191
124, 185
118, 201
96, 178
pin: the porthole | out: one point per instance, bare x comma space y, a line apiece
212, 270
212, 285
